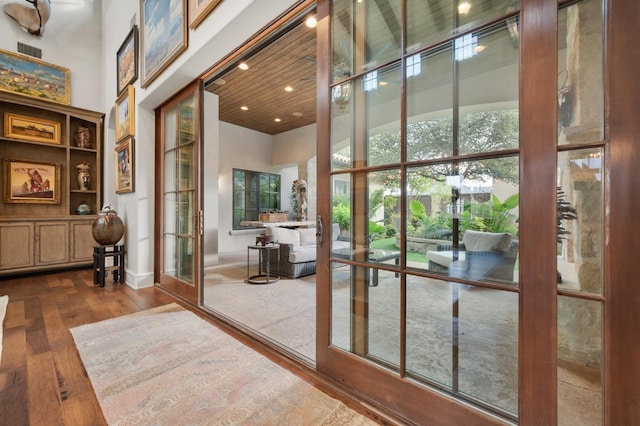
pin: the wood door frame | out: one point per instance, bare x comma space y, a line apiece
189, 293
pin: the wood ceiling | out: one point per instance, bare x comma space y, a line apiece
287, 61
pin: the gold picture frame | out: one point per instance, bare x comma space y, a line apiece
200, 9
31, 77
125, 114
124, 166
27, 181
164, 36
127, 61
31, 129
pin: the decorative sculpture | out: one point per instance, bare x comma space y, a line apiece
300, 191
31, 19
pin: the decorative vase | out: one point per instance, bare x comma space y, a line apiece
83, 208
108, 228
84, 177
83, 137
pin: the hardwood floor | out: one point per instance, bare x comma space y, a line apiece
42, 380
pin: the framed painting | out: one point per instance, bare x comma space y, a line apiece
123, 160
125, 114
199, 9
31, 128
127, 61
34, 78
27, 181
163, 35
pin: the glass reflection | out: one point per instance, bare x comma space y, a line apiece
580, 220
464, 216
579, 362
429, 22
580, 73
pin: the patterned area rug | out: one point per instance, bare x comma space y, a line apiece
167, 366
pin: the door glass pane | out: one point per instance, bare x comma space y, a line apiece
341, 305
170, 129
382, 91
429, 77
170, 181
580, 350
170, 213
185, 167
186, 214
170, 256
187, 121
186, 260
488, 75
580, 72
580, 220
488, 345
341, 125
429, 22
375, 38
479, 200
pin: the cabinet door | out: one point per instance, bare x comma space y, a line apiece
16, 245
82, 241
52, 239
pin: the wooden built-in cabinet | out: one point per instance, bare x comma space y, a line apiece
37, 236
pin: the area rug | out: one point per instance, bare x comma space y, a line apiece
167, 366
4, 301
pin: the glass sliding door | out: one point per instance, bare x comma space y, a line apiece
181, 222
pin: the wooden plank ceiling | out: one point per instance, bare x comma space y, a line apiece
288, 61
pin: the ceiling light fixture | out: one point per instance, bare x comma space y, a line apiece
311, 22
244, 108
297, 114
277, 120
463, 8
479, 48
243, 66
288, 89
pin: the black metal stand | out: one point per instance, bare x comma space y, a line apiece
100, 253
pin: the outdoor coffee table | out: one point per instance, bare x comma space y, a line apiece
375, 256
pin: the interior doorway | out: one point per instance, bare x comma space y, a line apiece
259, 141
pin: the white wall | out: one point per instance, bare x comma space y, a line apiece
230, 25
295, 146
72, 39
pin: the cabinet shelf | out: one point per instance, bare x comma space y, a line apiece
25, 227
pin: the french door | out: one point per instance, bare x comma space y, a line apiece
470, 144
179, 227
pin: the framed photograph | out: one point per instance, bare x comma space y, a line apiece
127, 61
199, 9
31, 128
163, 35
123, 160
125, 114
34, 78
28, 181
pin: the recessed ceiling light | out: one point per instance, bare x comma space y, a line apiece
243, 66
220, 81
277, 120
288, 89
311, 22
383, 83
297, 114
463, 8
479, 48
244, 108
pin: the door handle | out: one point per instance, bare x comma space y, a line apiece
319, 229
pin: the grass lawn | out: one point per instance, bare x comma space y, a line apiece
390, 244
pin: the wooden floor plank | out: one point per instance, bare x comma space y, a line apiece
45, 406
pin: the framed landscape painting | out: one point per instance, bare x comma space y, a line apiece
31, 128
28, 181
124, 166
125, 114
163, 35
199, 9
127, 61
34, 78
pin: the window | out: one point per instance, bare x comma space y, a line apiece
254, 192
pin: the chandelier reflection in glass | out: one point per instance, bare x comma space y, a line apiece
341, 95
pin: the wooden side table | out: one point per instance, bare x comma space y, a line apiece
263, 277
100, 254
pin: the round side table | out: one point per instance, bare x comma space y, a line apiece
264, 252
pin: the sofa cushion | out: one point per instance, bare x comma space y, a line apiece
486, 241
307, 236
444, 258
303, 254
284, 235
